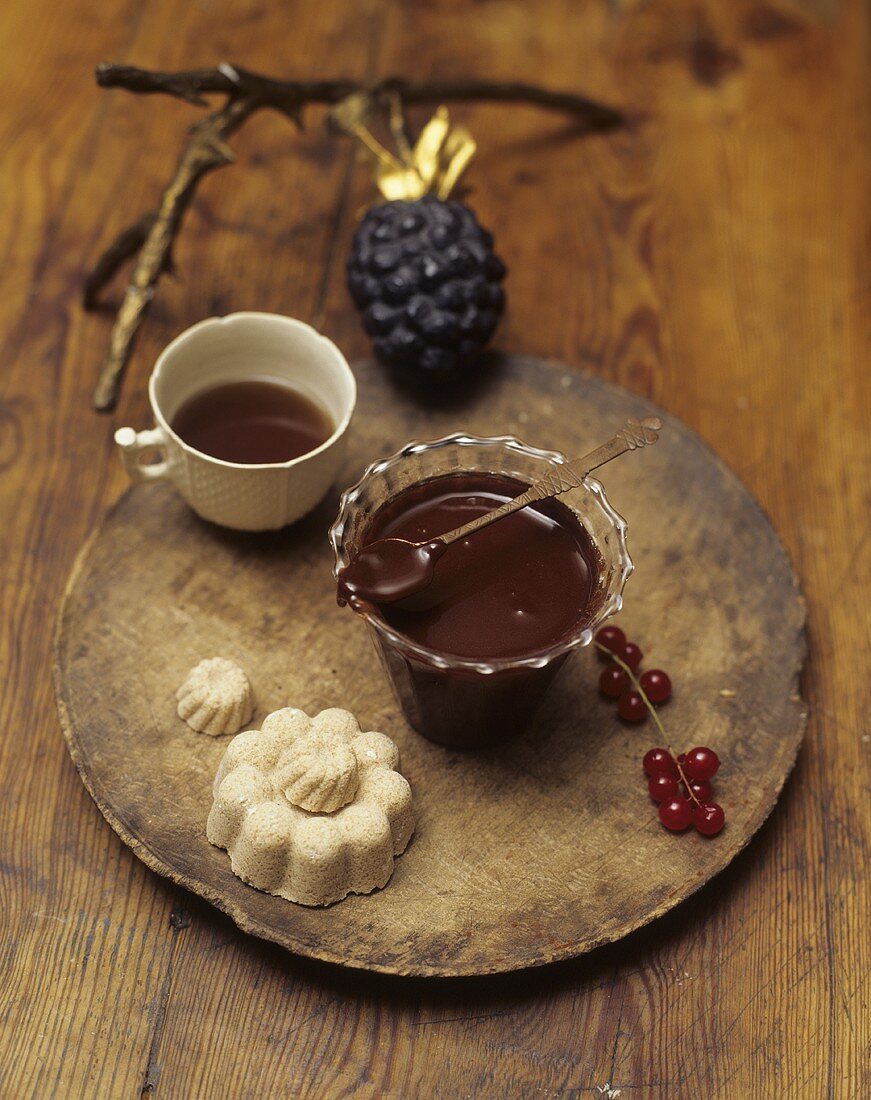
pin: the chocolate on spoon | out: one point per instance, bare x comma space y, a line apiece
393, 569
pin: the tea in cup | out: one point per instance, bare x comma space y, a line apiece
251, 413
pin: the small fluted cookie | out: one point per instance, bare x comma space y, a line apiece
216, 697
311, 810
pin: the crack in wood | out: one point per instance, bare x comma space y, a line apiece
617, 1031
179, 919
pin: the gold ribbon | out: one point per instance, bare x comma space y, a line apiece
433, 165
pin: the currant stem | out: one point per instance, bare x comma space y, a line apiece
636, 683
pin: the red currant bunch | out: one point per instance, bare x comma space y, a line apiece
682, 787
618, 680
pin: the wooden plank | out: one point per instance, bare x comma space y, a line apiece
88, 934
82, 929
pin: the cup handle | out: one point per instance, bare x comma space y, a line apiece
131, 443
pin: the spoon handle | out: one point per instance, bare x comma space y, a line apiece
568, 475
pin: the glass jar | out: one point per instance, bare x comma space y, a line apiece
458, 701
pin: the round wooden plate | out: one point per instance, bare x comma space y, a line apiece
523, 855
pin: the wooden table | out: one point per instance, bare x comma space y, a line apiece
716, 256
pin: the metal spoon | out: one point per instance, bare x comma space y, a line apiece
392, 569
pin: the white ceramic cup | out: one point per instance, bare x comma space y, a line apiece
237, 348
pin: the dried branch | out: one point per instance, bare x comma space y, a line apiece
594, 116
151, 238
126, 244
206, 151
192, 85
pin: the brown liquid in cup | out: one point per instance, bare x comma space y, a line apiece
252, 422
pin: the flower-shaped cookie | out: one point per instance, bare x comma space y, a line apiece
216, 697
311, 809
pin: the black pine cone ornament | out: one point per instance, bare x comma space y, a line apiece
422, 270
427, 282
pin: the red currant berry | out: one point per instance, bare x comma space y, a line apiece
701, 763
676, 814
631, 654
658, 762
701, 788
631, 707
662, 788
708, 818
656, 685
611, 638
613, 682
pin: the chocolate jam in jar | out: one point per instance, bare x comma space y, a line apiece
471, 655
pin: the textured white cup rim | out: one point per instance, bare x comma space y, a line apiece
290, 323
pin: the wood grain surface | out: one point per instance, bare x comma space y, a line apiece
535, 851
713, 256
